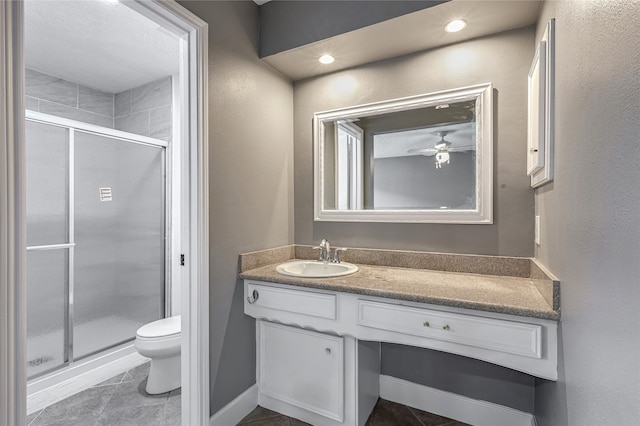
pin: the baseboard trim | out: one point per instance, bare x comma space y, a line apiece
236, 410
454, 406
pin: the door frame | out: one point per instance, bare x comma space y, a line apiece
195, 206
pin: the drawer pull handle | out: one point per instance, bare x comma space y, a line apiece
328, 351
446, 327
254, 297
426, 324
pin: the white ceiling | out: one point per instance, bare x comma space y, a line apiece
107, 46
101, 44
398, 144
406, 34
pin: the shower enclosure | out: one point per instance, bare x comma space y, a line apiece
96, 227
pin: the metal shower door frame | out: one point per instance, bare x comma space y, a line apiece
72, 126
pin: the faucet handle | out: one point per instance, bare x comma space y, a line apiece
320, 256
336, 254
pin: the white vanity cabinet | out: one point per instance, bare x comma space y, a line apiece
303, 368
318, 350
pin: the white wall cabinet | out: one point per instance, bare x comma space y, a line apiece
541, 120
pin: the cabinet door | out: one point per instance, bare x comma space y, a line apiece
303, 368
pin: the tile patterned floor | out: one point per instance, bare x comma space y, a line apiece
385, 413
119, 401
122, 401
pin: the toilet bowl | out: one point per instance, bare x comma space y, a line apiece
160, 341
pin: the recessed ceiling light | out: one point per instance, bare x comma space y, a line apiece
326, 59
455, 26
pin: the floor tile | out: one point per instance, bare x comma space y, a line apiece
31, 417
76, 421
258, 414
273, 421
387, 413
87, 403
132, 394
150, 415
138, 373
430, 419
118, 401
172, 411
112, 381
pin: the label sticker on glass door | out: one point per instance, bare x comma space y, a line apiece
105, 194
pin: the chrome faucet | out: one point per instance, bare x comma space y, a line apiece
324, 248
336, 254
325, 252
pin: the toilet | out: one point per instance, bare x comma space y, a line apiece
160, 341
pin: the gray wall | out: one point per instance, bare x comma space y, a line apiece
285, 25
414, 182
590, 216
504, 60
453, 373
251, 172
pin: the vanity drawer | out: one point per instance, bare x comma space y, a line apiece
311, 303
489, 333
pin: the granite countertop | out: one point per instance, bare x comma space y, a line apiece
514, 295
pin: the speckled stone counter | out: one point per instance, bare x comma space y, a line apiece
535, 295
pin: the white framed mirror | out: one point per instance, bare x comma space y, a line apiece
425, 158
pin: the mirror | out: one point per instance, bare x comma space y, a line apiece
425, 158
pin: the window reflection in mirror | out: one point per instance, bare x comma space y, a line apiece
415, 158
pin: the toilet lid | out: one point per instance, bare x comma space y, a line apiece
160, 328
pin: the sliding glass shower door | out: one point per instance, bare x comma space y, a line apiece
96, 241
119, 236
49, 245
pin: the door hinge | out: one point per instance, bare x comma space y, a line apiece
182, 260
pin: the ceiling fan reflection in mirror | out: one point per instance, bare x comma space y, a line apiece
441, 149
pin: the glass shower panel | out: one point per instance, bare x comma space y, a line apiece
47, 151
47, 278
119, 235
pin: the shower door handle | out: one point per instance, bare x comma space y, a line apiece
254, 297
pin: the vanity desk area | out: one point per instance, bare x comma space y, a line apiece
318, 339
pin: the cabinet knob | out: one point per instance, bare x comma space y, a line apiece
328, 351
446, 327
254, 297
426, 324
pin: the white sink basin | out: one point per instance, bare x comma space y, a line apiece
315, 269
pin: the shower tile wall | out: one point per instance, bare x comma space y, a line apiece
145, 110
55, 96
